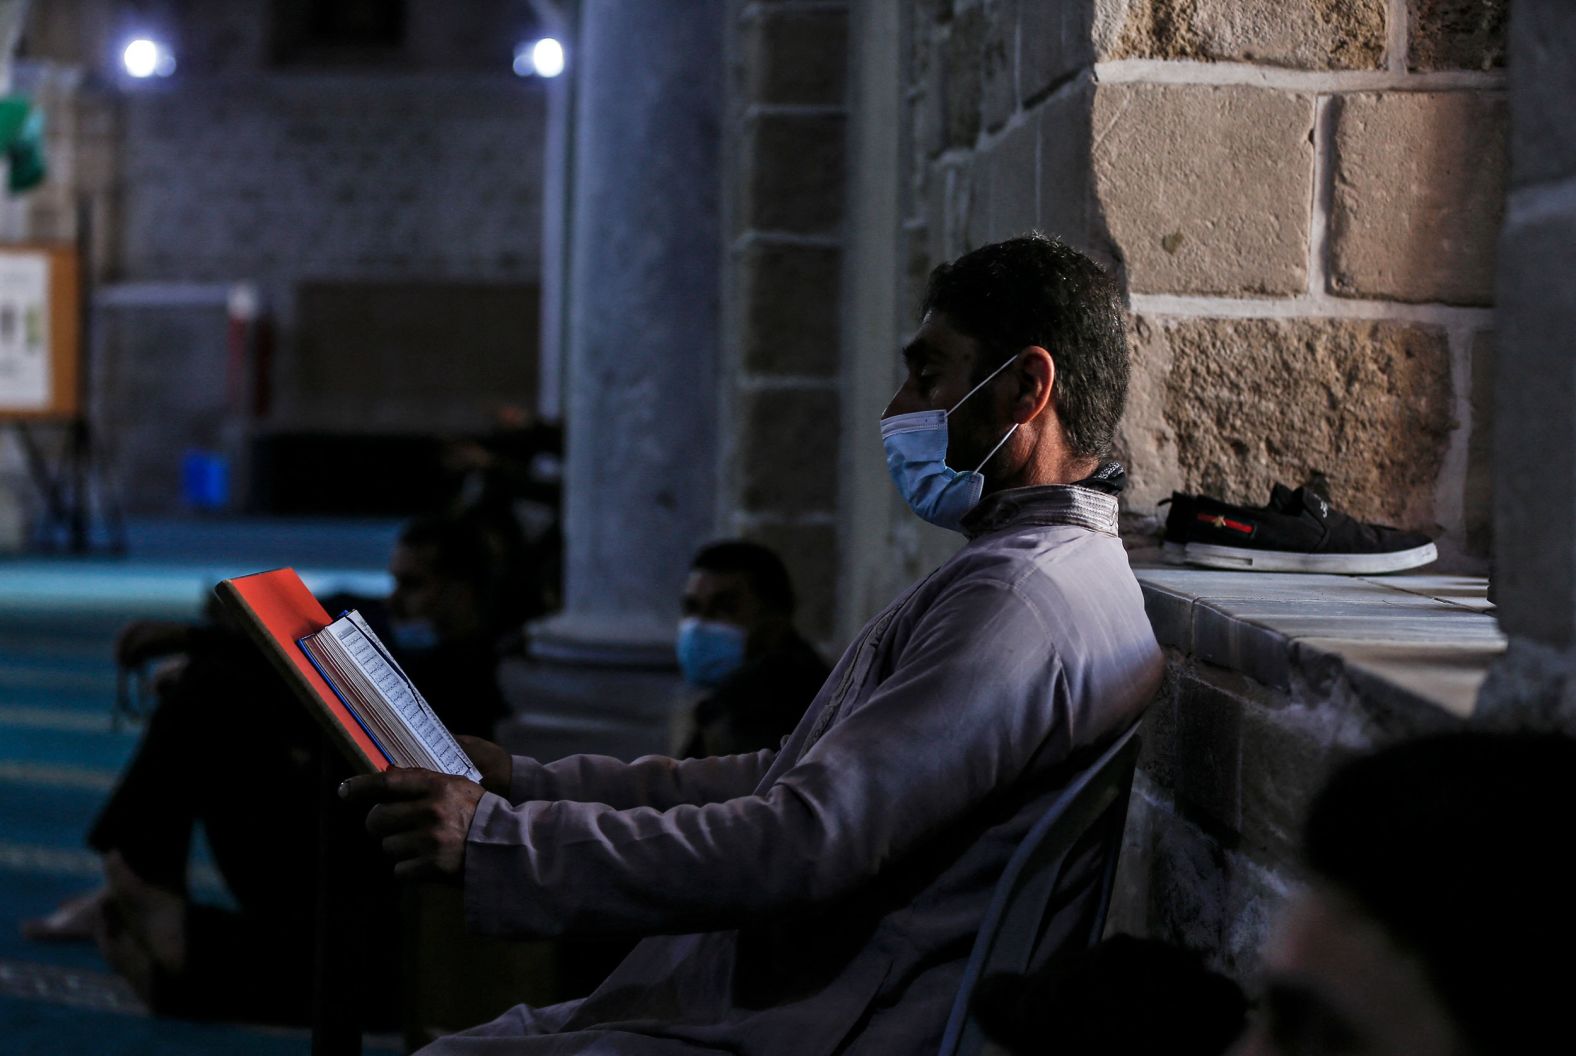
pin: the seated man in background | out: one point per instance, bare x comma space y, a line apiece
823, 897
1440, 911
737, 639
221, 706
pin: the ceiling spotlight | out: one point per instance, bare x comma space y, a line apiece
144, 58
544, 58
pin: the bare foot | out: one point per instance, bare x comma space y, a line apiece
153, 917
74, 920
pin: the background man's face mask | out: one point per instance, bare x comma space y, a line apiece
916, 457
709, 651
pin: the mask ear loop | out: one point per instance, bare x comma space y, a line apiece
1005, 437
986, 381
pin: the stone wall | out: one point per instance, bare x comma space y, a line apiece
1303, 197
784, 151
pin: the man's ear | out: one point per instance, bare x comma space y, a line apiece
1035, 374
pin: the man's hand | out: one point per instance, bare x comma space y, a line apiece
421, 816
496, 765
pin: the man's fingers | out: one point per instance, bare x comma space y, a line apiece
417, 869
406, 845
393, 783
386, 818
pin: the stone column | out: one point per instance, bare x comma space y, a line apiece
642, 327
1535, 383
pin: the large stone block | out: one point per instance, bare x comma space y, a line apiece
1066, 196
1543, 80
1012, 197
791, 297
919, 56
998, 52
1208, 763
916, 276
787, 450
962, 81
1478, 490
1230, 406
796, 56
951, 200
1206, 189
795, 173
1304, 34
1535, 451
811, 553
1456, 34
1054, 43
1419, 196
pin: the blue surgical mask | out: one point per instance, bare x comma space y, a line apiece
708, 651
916, 457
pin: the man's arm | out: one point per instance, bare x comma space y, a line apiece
974, 695
652, 781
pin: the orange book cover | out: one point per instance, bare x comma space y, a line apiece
277, 611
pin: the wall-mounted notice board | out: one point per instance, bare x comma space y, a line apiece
40, 332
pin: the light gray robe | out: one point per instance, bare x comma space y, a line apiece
824, 898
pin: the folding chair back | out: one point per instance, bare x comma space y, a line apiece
1094, 805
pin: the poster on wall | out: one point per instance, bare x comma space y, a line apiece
38, 332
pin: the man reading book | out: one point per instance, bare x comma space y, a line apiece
222, 709
823, 897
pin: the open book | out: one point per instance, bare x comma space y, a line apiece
383, 699
345, 675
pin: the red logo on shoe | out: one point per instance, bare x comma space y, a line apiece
1227, 523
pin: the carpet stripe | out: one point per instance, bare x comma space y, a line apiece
101, 681
103, 991
78, 777
201, 877
57, 719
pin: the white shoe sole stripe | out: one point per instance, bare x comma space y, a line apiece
1241, 559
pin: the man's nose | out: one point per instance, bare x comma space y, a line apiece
902, 402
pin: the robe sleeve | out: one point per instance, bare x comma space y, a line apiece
971, 697
651, 781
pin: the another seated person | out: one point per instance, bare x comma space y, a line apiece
1440, 910
222, 708
737, 639
823, 897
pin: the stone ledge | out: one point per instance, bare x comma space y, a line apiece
1403, 642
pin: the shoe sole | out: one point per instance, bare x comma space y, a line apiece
1173, 553
1234, 557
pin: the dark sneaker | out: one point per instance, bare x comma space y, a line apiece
1298, 532
1173, 542
1190, 516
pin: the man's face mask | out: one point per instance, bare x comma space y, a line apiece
709, 651
916, 457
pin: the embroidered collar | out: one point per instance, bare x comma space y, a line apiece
1044, 504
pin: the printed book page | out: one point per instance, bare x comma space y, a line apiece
401, 719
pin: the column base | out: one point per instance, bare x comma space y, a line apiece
593, 686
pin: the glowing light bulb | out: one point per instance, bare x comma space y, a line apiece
547, 57
141, 57
145, 58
